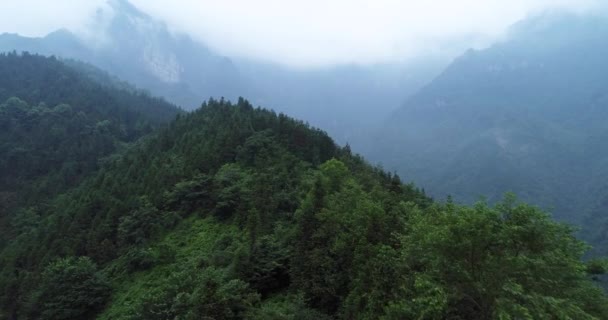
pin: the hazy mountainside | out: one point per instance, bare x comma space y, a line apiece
232, 212
527, 115
139, 49
57, 124
38, 79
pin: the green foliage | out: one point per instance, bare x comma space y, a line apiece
58, 126
504, 262
232, 212
265, 265
232, 190
286, 307
188, 295
190, 195
38, 79
597, 266
143, 223
339, 222
71, 288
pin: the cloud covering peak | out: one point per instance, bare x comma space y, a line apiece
308, 33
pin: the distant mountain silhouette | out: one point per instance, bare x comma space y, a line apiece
345, 100
526, 115
139, 49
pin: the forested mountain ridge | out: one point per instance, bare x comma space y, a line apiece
526, 115
234, 212
35, 79
57, 123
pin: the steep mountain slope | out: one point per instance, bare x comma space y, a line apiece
526, 115
57, 124
232, 212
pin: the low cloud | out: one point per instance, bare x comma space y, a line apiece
312, 32
321, 32
39, 17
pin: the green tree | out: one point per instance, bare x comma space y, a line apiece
510, 261
143, 223
205, 294
71, 288
232, 191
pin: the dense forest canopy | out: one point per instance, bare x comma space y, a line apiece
236, 212
38, 79
57, 124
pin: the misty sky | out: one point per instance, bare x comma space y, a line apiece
306, 32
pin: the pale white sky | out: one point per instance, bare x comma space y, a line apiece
305, 32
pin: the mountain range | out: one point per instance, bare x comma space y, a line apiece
141, 50
128, 208
116, 204
524, 115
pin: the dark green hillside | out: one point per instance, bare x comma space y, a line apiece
233, 212
57, 123
37, 79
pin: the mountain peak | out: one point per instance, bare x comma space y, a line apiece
127, 8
